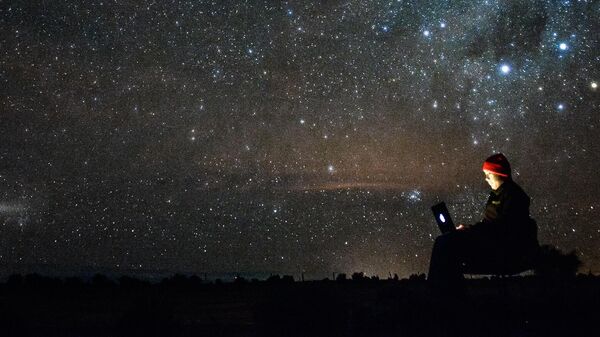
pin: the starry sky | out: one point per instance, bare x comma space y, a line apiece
267, 136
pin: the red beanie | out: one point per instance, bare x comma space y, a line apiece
497, 164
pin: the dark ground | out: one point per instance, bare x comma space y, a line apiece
523, 306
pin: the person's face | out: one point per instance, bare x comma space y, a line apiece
492, 179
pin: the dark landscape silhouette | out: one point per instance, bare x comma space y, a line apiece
551, 301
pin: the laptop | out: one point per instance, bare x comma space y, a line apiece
442, 216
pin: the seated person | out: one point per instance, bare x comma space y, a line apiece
504, 242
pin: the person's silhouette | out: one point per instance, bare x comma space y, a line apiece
504, 242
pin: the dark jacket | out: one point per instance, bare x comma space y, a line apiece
506, 218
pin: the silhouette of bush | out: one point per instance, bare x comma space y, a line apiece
179, 279
393, 278
239, 280
176, 281
287, 279
358, 276
33, 280
274, 278
15, 280
132, 282
101, 281
553, 263
341, 277
417, 277
196, 280
279, 279
38, 281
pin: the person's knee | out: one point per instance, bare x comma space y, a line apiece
448, 243
443, 240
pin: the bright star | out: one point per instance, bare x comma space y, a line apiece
594, 85
330, 168
505, 69
560, 107
426, 33
563, 46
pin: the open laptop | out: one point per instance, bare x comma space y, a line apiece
442, 216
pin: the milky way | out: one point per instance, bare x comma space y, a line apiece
265, 136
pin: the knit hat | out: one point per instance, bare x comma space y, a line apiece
497, 164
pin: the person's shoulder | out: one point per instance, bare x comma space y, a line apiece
515, 189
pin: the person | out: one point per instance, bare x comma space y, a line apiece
503, 242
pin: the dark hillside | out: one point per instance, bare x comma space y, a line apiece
181, 306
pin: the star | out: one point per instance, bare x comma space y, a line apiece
414, 195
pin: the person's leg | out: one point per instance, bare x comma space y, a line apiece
484, 255
446, 257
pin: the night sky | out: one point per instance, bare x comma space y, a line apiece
281, 137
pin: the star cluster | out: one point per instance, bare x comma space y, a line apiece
261, 136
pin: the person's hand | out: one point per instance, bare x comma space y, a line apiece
461, 227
